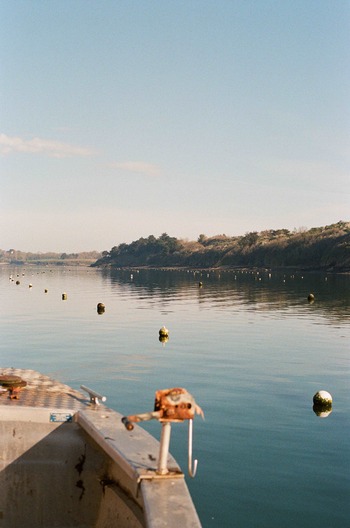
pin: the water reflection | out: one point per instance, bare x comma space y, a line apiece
322, 412
257, 290
250, 348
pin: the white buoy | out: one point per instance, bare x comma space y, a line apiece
322, 398
322, 404
163, 332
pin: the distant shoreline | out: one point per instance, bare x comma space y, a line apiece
325, 249
228, 268
279, 269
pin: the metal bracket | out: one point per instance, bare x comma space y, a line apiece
153, 475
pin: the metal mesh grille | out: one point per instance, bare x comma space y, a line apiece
42, 391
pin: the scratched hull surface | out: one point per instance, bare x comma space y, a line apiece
67, 462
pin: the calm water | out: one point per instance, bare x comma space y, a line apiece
249, 347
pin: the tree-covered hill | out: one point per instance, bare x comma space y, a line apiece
325, 247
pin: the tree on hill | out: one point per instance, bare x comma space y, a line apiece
318, 247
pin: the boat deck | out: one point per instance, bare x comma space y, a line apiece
42, 391
81, 454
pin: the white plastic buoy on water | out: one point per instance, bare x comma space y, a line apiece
322, 397
322, 404
163, 332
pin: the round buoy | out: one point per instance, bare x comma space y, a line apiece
30, 285
322, 397
17, 282
311, 297
163, 332
322, 404
46, 290
100, 308
200, 284
64, 296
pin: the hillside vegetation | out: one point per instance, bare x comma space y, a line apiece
325, 247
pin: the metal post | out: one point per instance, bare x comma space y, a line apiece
191, 469
164, 449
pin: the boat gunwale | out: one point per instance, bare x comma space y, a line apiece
165, 499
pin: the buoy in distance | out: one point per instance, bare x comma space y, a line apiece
101, 308
322, 397
322, 404
163, 332
64, 296
311, 297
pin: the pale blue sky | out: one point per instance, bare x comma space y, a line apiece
120, 119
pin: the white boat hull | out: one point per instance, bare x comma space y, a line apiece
67, 463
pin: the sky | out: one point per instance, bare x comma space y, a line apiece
125, 118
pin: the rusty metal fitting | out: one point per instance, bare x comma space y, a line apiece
171, 405
12, 384
176, 404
